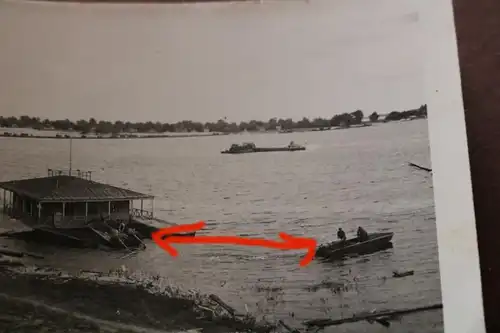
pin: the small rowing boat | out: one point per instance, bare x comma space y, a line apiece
339, 249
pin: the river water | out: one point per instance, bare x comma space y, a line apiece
345, 178
113, 62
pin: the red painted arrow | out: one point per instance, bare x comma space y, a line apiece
288, 242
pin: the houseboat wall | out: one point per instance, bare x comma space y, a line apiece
77, 214
89, 208
20, 207
69, 214
6, 201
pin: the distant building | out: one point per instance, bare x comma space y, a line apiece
261, 128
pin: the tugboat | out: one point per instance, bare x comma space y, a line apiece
249, 147
246, 147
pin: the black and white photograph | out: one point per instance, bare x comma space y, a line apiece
219, 167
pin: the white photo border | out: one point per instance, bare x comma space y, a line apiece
455, 221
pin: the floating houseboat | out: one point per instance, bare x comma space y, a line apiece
70, 208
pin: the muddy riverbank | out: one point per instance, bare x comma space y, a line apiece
36, 298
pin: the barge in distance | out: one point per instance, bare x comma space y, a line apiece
69, 208
249, 147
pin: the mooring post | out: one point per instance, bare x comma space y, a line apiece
152, 207
86, 210
70, 154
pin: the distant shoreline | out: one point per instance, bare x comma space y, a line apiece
34, 127
31, 136
172, 136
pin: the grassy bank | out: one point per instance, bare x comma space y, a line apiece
23, 315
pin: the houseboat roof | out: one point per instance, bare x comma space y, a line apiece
63, 188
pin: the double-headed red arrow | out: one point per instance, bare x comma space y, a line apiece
164, 239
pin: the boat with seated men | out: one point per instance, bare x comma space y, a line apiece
338, 250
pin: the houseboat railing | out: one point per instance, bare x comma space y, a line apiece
77, 173
82, 219
72, 221
137, 212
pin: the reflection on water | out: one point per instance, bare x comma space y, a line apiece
352, 178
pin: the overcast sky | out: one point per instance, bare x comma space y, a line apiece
284, 58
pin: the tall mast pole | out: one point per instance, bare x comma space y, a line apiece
70, 153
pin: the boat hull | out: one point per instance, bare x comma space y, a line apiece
94, 235
146, 229
70, 238
264, 150
238, 152
338, 250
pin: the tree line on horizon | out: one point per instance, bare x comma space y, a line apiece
107, 127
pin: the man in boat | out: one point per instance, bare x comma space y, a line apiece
341, 235
362, 235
